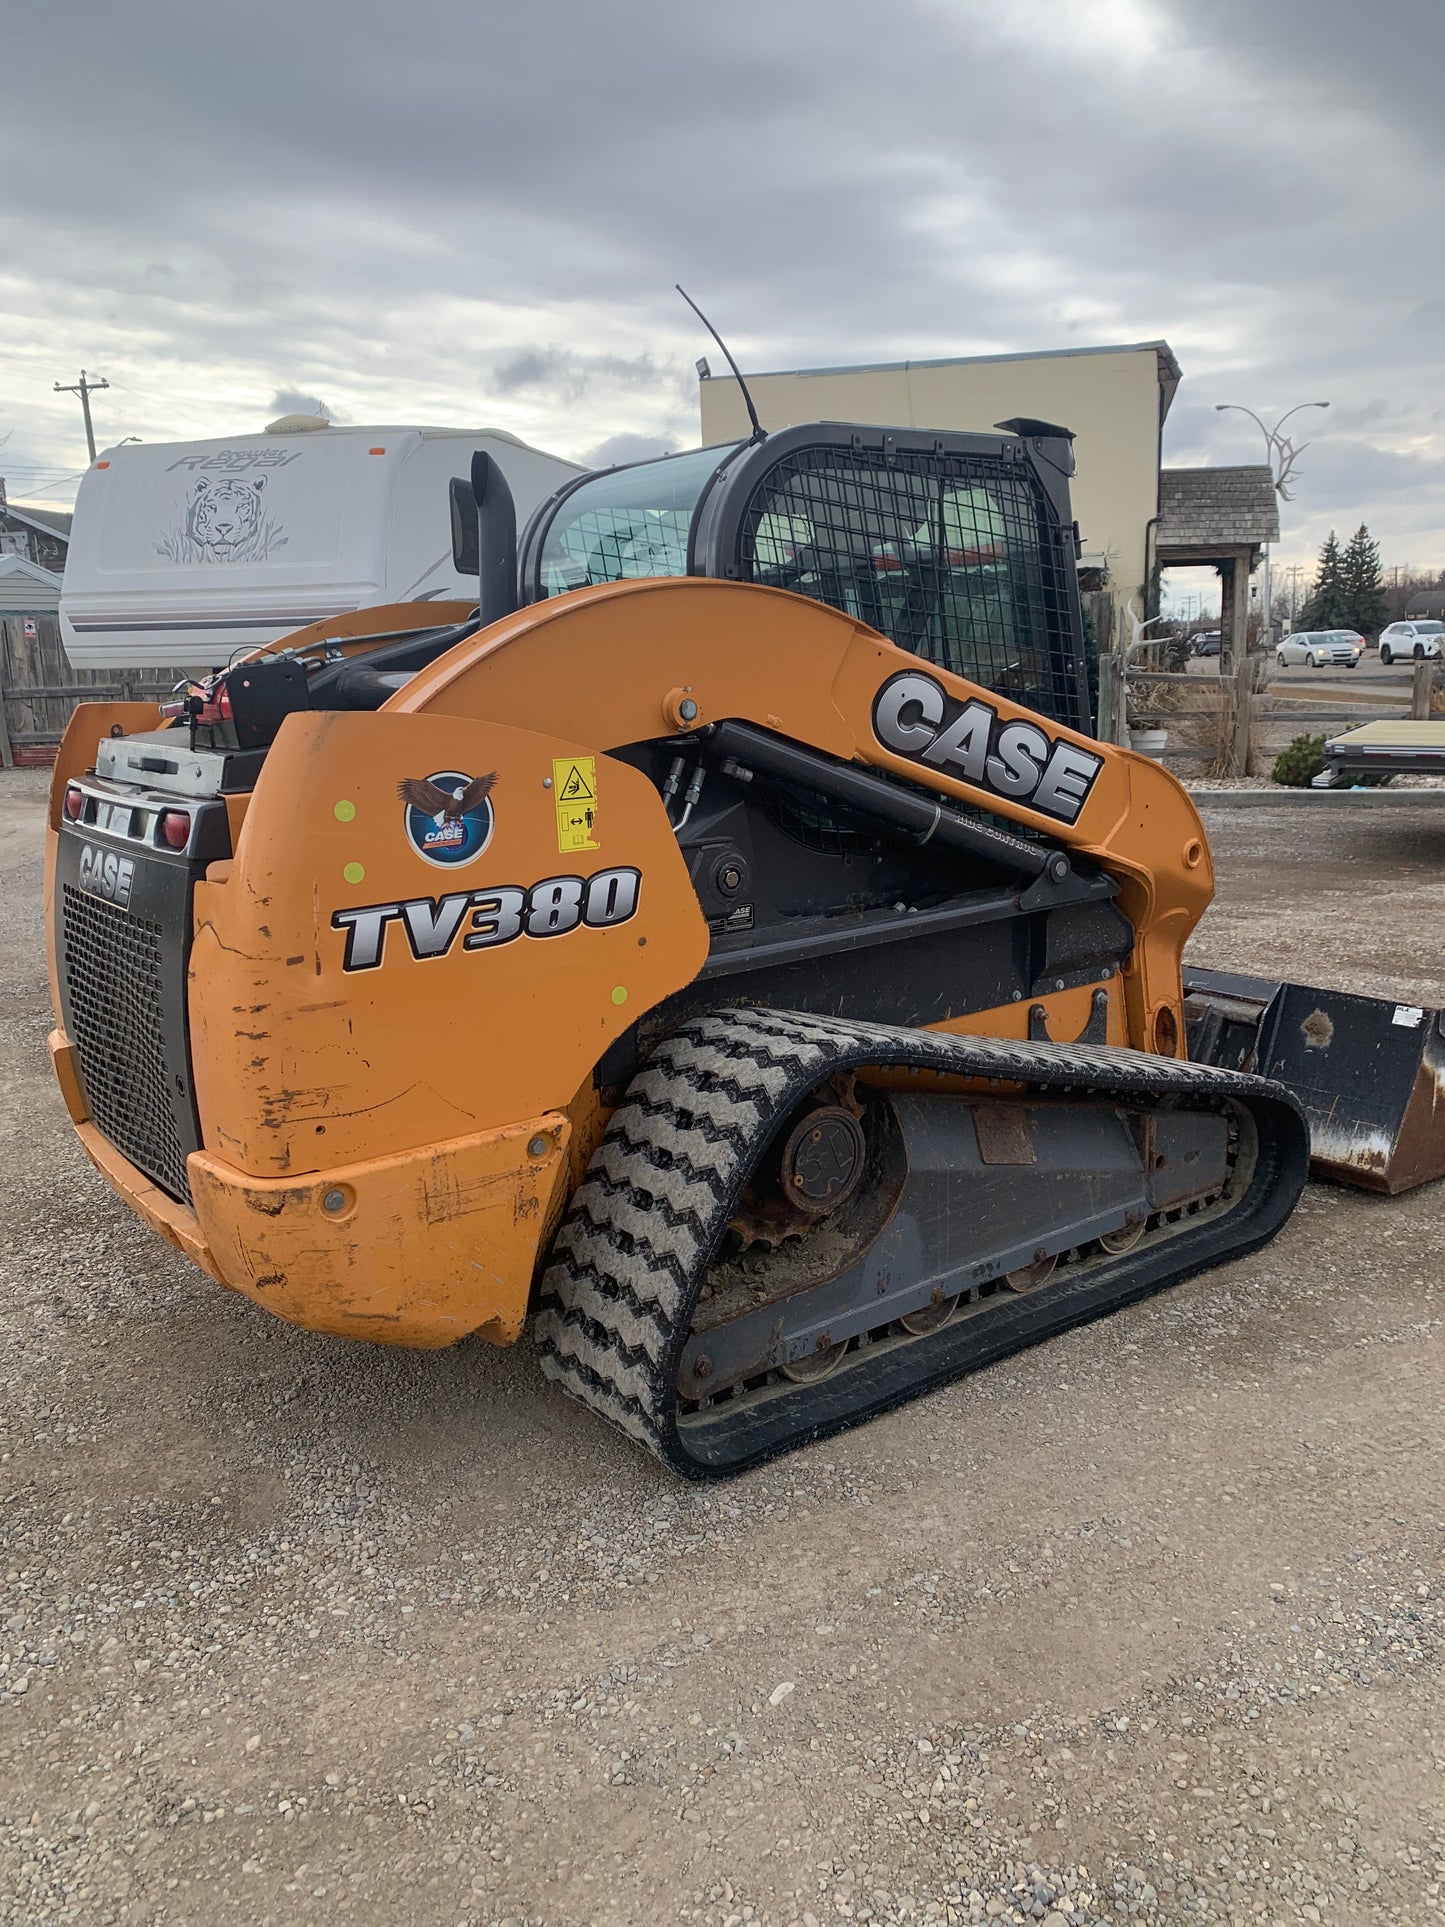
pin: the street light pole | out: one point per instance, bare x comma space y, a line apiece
1276, 448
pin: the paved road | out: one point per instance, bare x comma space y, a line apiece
1145, 1625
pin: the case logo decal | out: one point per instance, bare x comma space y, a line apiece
104, 874
915, 716
491, 917
449, 817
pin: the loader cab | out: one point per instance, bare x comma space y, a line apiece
958, 547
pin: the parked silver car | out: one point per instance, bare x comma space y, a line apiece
1317, 647
1415, 639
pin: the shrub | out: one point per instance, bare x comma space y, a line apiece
1297, 765
1300, 762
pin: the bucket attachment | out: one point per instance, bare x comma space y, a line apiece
1369, 1074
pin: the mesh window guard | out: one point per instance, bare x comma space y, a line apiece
953, 557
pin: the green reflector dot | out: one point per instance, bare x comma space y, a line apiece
619, 996
353, 873
344, 811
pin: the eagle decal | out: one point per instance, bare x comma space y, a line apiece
448, 816
445, 806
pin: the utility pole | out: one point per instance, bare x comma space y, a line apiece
85, 388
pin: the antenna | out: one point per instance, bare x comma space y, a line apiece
760, 434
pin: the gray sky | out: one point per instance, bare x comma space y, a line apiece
456, 211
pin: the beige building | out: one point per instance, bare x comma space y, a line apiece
1114, 400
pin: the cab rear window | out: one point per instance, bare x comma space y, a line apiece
950, 557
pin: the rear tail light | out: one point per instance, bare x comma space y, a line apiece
74, 802
214, 709
176, 828
200, 708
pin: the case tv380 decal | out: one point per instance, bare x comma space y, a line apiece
552, 908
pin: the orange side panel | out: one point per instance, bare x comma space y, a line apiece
352, 997
610, 666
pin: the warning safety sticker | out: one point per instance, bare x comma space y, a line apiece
574, 781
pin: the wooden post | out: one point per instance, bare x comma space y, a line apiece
1104, 721
1239, 752
1420, 693
7, 755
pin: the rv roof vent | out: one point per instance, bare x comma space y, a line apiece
295, 424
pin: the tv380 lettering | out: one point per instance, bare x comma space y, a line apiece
492, 916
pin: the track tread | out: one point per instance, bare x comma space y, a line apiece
633, 1247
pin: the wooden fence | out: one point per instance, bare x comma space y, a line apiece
38, 688
1237, 718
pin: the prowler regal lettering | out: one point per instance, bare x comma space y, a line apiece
916, 717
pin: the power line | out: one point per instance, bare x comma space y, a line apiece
85, 388
49, 488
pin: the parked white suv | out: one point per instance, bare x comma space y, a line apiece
1316, 647
1412, 639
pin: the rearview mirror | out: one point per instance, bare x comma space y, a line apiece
466, 544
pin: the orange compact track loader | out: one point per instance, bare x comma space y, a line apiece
725, 949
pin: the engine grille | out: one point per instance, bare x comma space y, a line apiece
115, 982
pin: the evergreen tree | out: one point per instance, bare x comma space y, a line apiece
1328, 606
1360, 579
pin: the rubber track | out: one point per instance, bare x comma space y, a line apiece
634, 1247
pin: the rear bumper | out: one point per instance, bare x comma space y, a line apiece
420, 1248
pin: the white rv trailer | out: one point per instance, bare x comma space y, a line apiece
183, 554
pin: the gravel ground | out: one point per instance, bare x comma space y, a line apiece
1147, 1625
1203, 785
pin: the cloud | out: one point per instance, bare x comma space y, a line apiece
477, 219
628, 448
570, 375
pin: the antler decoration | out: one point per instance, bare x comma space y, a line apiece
1140, 640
